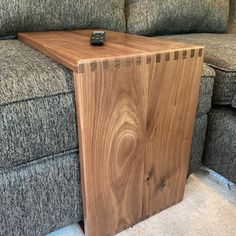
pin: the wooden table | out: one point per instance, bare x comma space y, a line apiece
136, 104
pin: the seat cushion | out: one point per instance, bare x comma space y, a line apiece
37, 108
220, 149
24, 15
220, 54
151, 17
41, 196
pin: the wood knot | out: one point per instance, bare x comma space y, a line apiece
163, 183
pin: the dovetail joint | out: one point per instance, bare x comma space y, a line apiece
128, 62
158, 58
138, 61
176, 56
200, 52
192, 53
185, 54
105, 65
81, 68
117, 63
93, 66
167, 56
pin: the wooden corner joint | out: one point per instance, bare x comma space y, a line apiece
117, 63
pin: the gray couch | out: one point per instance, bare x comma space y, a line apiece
39, 168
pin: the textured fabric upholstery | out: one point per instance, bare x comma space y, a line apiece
33, 129
225, 87
200, 127
151, 17
198, 143
206, 89
232, 21
26, 73
41, 196
24, 15
234, 102
220, 151
37, 110
221, 55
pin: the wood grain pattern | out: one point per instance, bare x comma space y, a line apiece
70, 48
136, 124
136, 106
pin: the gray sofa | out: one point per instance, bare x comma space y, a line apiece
39, 167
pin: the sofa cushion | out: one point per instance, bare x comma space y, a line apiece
41, 196
220, 54
37, 108
151, 17
225, 88
23, 15
198, 143
206, 89
220, 150
232, 17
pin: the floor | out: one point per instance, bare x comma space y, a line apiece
208, 209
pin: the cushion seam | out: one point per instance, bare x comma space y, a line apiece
69, 151
35, 98
220, 68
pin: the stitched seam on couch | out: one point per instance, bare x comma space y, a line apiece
35, 98
41, 159
221, 68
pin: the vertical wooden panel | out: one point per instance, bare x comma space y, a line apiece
172, 103
112, 140
136, 121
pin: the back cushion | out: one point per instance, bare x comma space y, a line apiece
232, 22
43, 15
151, 17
